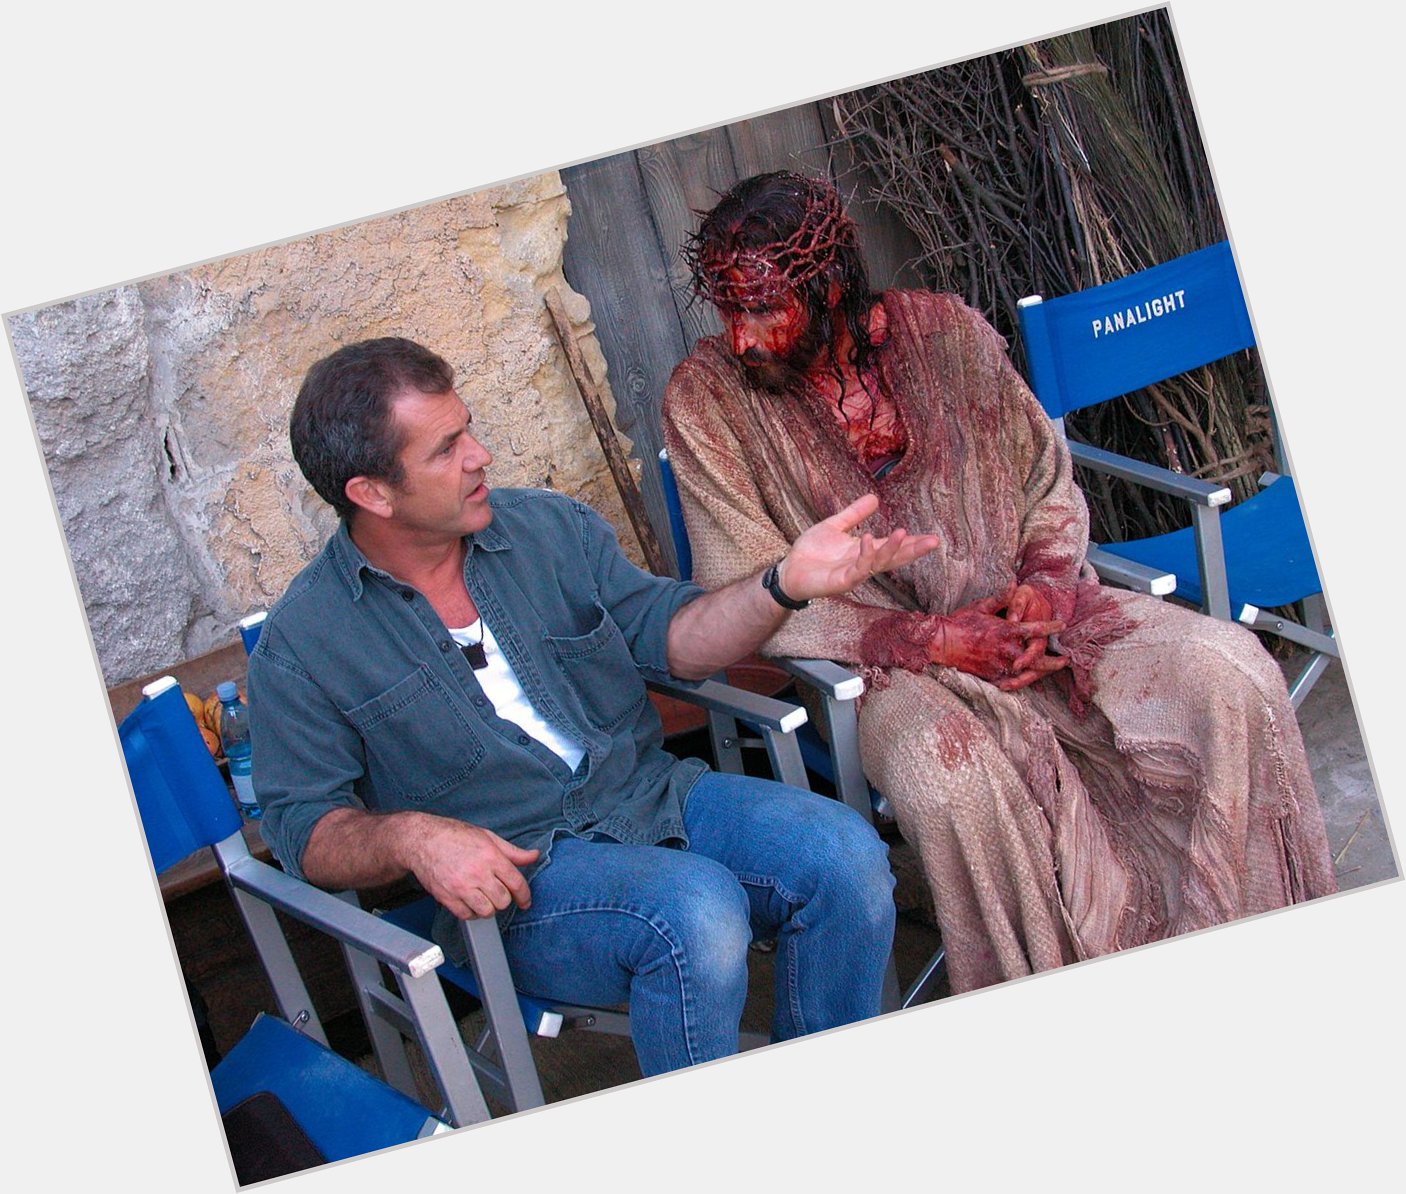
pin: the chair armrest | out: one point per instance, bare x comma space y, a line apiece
764, 712
1130, 574
832, 680
1203, 493
397, 948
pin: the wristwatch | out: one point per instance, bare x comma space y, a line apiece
771, 582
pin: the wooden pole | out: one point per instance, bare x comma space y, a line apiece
605, 433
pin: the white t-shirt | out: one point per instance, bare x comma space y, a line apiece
501, 686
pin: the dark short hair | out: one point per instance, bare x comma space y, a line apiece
341, 425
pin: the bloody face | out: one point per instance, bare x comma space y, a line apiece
776, 340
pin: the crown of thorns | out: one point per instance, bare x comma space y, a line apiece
727, 274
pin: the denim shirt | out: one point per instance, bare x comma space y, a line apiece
358, 695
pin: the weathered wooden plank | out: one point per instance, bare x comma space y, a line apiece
682, 177
792, 139
613, 258
890, 249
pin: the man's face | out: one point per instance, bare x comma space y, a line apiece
776, 341
441, 494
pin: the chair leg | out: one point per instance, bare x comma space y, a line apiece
1210, 556
1315, 613
1315, 616
289, 990
785, 754
430, 1019
1306, 679
500, 1005
387, 1044
931, 975
842, 723
1313, 633
725, 739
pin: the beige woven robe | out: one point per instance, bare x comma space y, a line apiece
1156, 786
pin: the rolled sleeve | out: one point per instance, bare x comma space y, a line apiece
307, 757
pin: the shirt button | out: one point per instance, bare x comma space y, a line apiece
523, 739
445, 646
408, 594
480, 701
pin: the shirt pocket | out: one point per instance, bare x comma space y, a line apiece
418, 745
600, 670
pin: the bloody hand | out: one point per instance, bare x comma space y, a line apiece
1027, 604
1008, 653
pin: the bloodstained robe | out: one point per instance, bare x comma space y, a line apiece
1155, 786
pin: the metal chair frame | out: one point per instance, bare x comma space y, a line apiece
160, 733
1071, 367
501, 1056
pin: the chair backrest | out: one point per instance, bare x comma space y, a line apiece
183, 801
250, 628
677, 528
1096, 344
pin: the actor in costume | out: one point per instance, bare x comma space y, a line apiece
1081, 769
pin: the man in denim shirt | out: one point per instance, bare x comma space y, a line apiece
452, 689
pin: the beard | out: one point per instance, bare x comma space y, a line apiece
785, 373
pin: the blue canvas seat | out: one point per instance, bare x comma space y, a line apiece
1268, 559
1233, 562
338, 1110
185, 806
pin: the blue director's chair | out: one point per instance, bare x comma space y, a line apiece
834, 756
281, 1078
501, 1057
1096, 344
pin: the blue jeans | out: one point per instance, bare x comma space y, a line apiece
667, 930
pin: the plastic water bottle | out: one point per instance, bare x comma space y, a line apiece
234, 737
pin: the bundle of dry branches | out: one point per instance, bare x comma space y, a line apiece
1057, 166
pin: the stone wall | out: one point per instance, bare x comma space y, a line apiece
162, 407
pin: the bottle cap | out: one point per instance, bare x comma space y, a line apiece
226, 690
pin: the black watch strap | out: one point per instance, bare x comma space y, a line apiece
771, 582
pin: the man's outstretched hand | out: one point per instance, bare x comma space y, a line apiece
830, 559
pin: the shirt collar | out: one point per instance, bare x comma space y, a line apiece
349, 561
